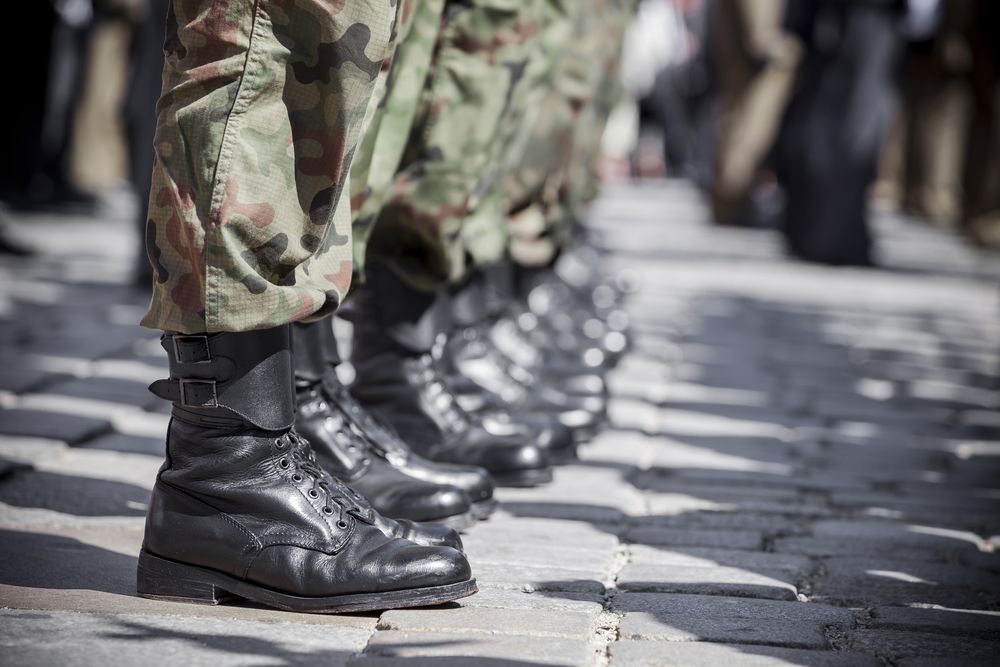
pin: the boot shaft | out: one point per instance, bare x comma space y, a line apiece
230, 378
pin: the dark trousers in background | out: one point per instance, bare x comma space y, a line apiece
835, 125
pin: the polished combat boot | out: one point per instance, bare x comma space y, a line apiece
481, 379
342, 448
396, 332
242, 509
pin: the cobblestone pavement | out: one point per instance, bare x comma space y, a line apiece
802, 469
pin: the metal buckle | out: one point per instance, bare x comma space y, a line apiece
213, 403
177, 350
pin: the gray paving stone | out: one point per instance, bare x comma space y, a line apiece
133, 444
20, 380
471, 648
537, 578
795, 634
713, 606
550, 601
75, 639
858, 537
897, 644
629, 653
461, 619
888, 581
721, 619
951, 621
774, 585
127, 392
723, 539
940, 661
708, 557
593, 562
74, 495
53, 425
687, 512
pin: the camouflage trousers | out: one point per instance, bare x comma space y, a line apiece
551, 170
263, 104
444, 205
471, 154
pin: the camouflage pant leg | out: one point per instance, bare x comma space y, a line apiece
263, 104
561, 144
581, 179
449, 170
380, 152
542, 148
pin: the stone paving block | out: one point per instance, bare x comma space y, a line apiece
859, 537
793, 564
461, 619
53, 425
117, 390
716, 606
75, 639
890, 581
733, 581
951, 621
481, 549
133, 444
537, 578
70, 494
681, 537
550, 601
682, 511
547, 531
795, 634
472, 648
630, 653
947, 662
897, 644
20, 380
722, 619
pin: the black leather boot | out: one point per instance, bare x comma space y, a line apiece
481, 378
343, 449
240, 508
396, 329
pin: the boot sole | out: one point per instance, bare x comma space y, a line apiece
459, 522
483, 509
523, 478
563, 455
163, 579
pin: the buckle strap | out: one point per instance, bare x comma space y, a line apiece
191, 349
189, 392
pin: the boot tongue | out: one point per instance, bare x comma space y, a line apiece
337, 492
377, 434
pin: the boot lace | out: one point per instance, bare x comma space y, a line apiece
302, 460
435, 388
376, 431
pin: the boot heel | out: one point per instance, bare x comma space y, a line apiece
160, 579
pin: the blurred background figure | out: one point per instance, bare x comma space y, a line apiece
835, 124
755, 62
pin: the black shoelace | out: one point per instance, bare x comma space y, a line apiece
301, 457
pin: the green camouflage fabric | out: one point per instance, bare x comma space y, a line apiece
445, 201
380, 153
264, 102
550, 170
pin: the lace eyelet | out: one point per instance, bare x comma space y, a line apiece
283, 463
279, 443
328, 511
313, 494
342, 524
296, 477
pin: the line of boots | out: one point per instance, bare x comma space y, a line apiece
285, 486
